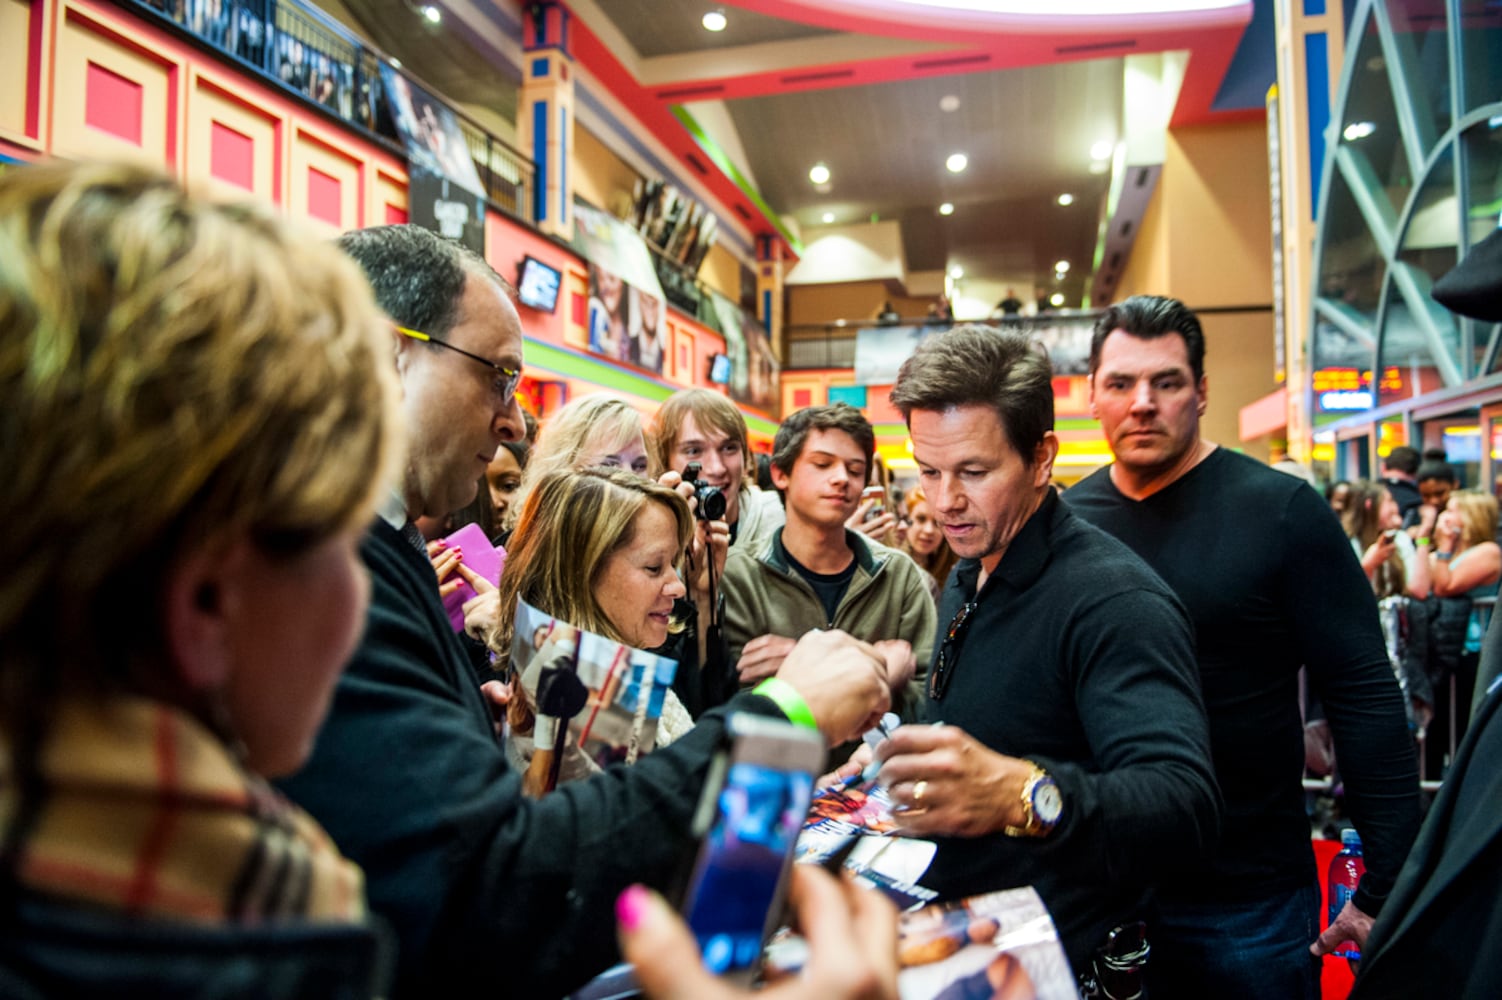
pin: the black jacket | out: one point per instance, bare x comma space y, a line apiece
50, 949
486, 889
1437, 935
1077, 657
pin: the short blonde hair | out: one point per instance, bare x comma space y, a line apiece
1478, 516
174, 374
585, 425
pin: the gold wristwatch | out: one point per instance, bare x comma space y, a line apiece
1042, 805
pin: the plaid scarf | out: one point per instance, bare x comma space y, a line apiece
147, 813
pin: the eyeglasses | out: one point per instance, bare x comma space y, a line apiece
507, 379
949, 652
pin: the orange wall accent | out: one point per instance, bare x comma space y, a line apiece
91, 49
23, 24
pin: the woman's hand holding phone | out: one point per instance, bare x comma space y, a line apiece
851, 934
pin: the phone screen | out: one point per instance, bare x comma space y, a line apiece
759, 813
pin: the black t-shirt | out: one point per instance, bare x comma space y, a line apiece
830, 587
1271, 584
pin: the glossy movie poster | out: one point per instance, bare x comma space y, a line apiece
626, 307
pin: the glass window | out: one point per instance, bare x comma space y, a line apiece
1422, 49
1480, 52
1369, 131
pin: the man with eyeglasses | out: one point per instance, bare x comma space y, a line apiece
491, 893
1272, 586
1073, 754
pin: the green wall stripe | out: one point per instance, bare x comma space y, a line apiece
730, 170
545, 357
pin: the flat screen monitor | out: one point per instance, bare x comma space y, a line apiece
538, 285
719, 369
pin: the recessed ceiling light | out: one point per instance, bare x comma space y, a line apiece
431, 14
1058, 276
957, 162
819, 174
956, 272
1056, 299
828, 217
1358, 130
949, 102
714, 21
1101, 150
1100, 166
946, 209
1062, 266
1066, 198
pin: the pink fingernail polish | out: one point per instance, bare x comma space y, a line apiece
631, 907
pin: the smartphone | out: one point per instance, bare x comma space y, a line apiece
878, 493
755, 800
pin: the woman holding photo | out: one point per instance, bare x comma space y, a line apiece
598, 549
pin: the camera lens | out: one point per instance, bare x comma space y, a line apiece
711, 502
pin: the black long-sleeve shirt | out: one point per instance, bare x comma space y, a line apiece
1078, 658
1271, 584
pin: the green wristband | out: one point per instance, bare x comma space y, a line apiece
1421, 542
789, 700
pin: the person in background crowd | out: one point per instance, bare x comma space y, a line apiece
486, 889
1436, 935
814, 572
1074, 755
1398, 471
216, 384
503, 480
1394, 562
1010, 305
1436, 481
597, 429
1397, 566
597, 549
1467, 565
876, 517
925, 541
697, 425
1338, 496
1271, 585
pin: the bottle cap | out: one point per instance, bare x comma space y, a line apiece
1350, 838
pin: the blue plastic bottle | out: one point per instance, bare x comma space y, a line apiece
1346, 869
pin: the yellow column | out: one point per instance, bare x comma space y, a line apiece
1311, 50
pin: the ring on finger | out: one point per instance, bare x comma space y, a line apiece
919, 789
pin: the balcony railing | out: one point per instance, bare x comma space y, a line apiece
301, 49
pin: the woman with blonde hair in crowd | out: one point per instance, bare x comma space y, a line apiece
1467, 559
925, 541
598, 549
199, 423
597, 429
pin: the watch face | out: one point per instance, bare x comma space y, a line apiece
1048, 804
